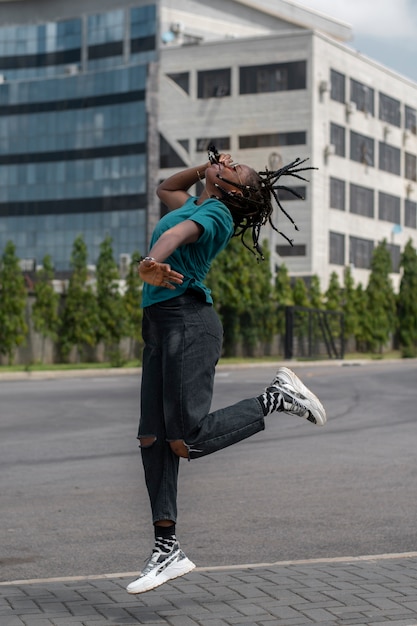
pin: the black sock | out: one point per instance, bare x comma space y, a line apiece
270, 401
165, 538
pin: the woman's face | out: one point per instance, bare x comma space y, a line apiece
238, 174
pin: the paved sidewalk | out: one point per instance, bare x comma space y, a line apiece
331, 592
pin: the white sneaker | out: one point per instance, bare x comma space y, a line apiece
160, 568
298, 397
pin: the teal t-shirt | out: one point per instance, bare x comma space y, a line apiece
192, 260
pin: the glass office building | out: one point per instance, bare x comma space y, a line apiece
73, 133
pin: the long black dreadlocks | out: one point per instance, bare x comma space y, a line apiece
253, 209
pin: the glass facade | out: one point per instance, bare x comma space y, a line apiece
73, 136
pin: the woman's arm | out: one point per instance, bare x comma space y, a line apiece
157, 273
174, 190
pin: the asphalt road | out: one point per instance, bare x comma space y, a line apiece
73, 499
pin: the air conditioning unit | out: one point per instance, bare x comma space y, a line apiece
350, 108
406, 136
72, 70
329, 149
2, 79
177, 28
124, 264
323, 86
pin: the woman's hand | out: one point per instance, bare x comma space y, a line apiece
159, 274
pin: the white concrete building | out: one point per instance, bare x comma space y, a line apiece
270, 81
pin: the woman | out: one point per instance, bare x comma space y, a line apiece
183, 340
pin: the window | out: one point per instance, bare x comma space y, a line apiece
182, 79
273, 77
389, 208
362, 96
214, 83
361, 251
221, 143
389, 158
361, 148
389, 110
273, 140
337, 139
361, 200
395, 253
285, 195
337, 86
336, 248
411, 120
410, 214
298, 250
167, 155
410, 166
337, 194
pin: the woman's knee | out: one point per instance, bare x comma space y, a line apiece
179, 448
147, 442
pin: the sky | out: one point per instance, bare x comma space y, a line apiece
384, 30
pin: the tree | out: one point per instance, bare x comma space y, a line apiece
45, 314
283, 295
242, 294
381, 298
132, 303
314, 293
349, 307
13, 327
80, 318
300, 328
334, 303
363, 327
111, 311
407, 302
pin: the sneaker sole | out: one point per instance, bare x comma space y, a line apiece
287, 376
173, 571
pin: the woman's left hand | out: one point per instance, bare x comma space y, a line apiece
159, 274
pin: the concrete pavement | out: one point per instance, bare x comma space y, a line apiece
364, 590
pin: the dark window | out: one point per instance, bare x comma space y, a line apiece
395, 253
59, 57
337, 86
185, 143
337, 139
361, 252
361, 148
221, 143
410, 166
103, 50
337, 194
273, 77
285, 194
389, 110
142, 44
410, 214
337, 248
411, 120
72, 205
298, 250
389, 208
214, 83
361, 200
167, 155
273, 140
362, 96
389, 158
182, 80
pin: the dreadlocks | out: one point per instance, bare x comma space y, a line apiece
253, 209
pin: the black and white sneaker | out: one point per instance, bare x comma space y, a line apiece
160, 568
297, 399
